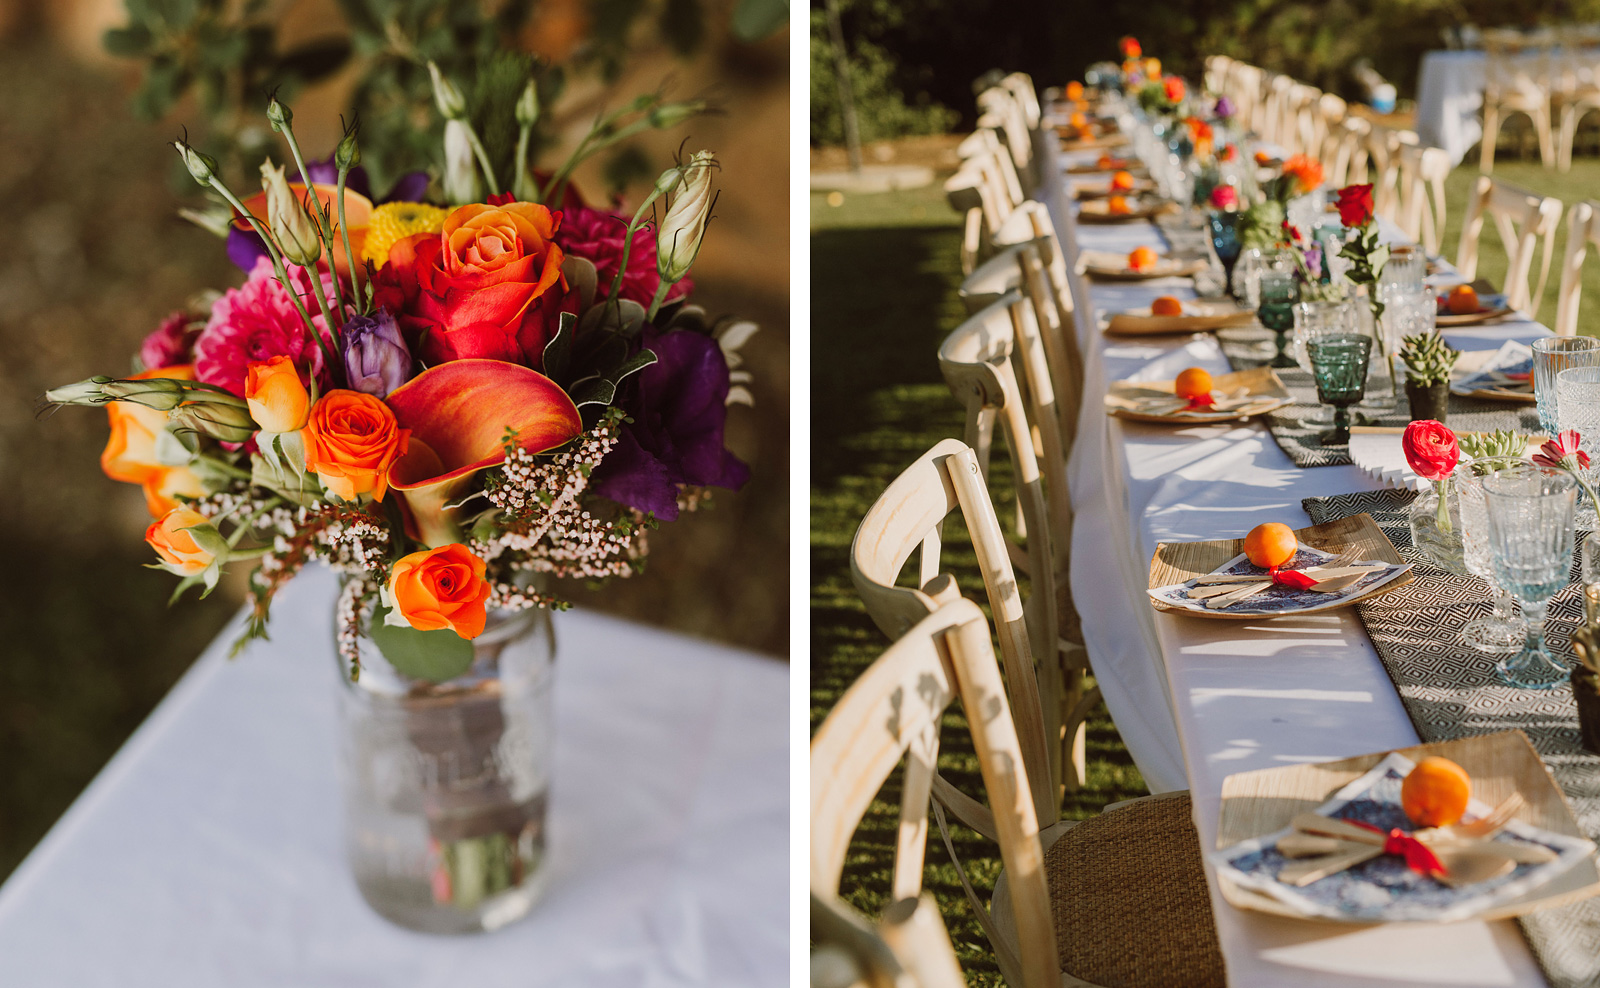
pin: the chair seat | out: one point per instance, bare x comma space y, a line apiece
1130, 901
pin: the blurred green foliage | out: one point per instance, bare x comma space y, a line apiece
230, 56
938, 47
882, 111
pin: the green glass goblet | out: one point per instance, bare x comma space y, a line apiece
1339, 364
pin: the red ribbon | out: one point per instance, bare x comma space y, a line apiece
1291, 578
1419, 857
1201, 401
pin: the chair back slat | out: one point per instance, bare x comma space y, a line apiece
1583, 228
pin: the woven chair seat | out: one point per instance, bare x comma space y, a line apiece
1130, 901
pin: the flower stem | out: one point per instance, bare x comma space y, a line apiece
1443, 514
655, 303
324, 230
279, 270
344, 233
627, 244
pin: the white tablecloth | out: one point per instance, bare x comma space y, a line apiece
1450, 99
208, 853
1197, 700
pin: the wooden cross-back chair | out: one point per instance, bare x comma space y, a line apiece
1344, 158
1304, 124
893, 712
1576, 84
1383, 168
908, 947
1583, 229
1422, 199
909, 516
1276, 112
1022, 264
1002, 114
1524, 219
1248, 88
1021, 86
1516, 80
979, 361
984, 151
1217, 71
1073, 905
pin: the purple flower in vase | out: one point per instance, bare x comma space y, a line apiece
679, 411
1224, 108
1314, 258
376, 358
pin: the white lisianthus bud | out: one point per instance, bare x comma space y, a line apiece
287, 218
82, 393
460, 168
683, 229
445, 93
528, 105
201, 166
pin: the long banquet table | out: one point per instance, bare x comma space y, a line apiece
208, 852
1198, 700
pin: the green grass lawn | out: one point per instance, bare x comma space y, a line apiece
885, 271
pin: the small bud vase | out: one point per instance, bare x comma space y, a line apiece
1436, 533
446, 783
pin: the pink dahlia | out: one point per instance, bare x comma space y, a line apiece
258, 321
598, 236
172, 343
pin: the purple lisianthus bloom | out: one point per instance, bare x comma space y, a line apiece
679, 410
376, 358
244, 246
1224, 108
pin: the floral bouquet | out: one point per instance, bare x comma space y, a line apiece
448, 397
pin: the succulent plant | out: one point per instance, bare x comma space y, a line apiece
1428, 358
1499, 443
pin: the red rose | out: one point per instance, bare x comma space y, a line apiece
489, 285
1130, 47
1175, 89
1224, 197
1430, 447
1355, 205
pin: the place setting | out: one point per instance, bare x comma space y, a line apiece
1168, 315
1195, 397
1139, 264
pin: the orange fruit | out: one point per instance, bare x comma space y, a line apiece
1192, 383
1463, 301
1074, 90
1142, 257
1080, 121
1118, 206
1166, 305
1263, 158
1435, 794
1122, 181
1105, 162
1270, 544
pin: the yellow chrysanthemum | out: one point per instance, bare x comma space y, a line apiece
394, 221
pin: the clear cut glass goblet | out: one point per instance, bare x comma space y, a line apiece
1530, 543
1501, 631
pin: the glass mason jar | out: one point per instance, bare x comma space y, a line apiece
446, 784
1436, 528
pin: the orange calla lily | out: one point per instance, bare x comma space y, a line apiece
458, 413
357, 213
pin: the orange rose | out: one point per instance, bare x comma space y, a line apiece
170, 537
440, 588
351, 441
1303, 172
488, 285
130, 454
278, 401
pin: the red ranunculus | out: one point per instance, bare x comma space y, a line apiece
1130, 47
1430, 447
1355, 205
1224, 197
1175, 89
489, 285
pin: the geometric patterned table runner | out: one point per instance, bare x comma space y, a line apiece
1449, 692
1253, 346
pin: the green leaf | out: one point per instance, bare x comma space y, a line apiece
432, 655
683, 25
316, 60
127, 42
558, 352
754, 20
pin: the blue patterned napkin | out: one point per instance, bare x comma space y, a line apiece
1384, 889
1281, 600
1511, 358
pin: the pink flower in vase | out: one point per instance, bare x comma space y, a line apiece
1562, 453
1431, 449
258, 321
1224, 197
